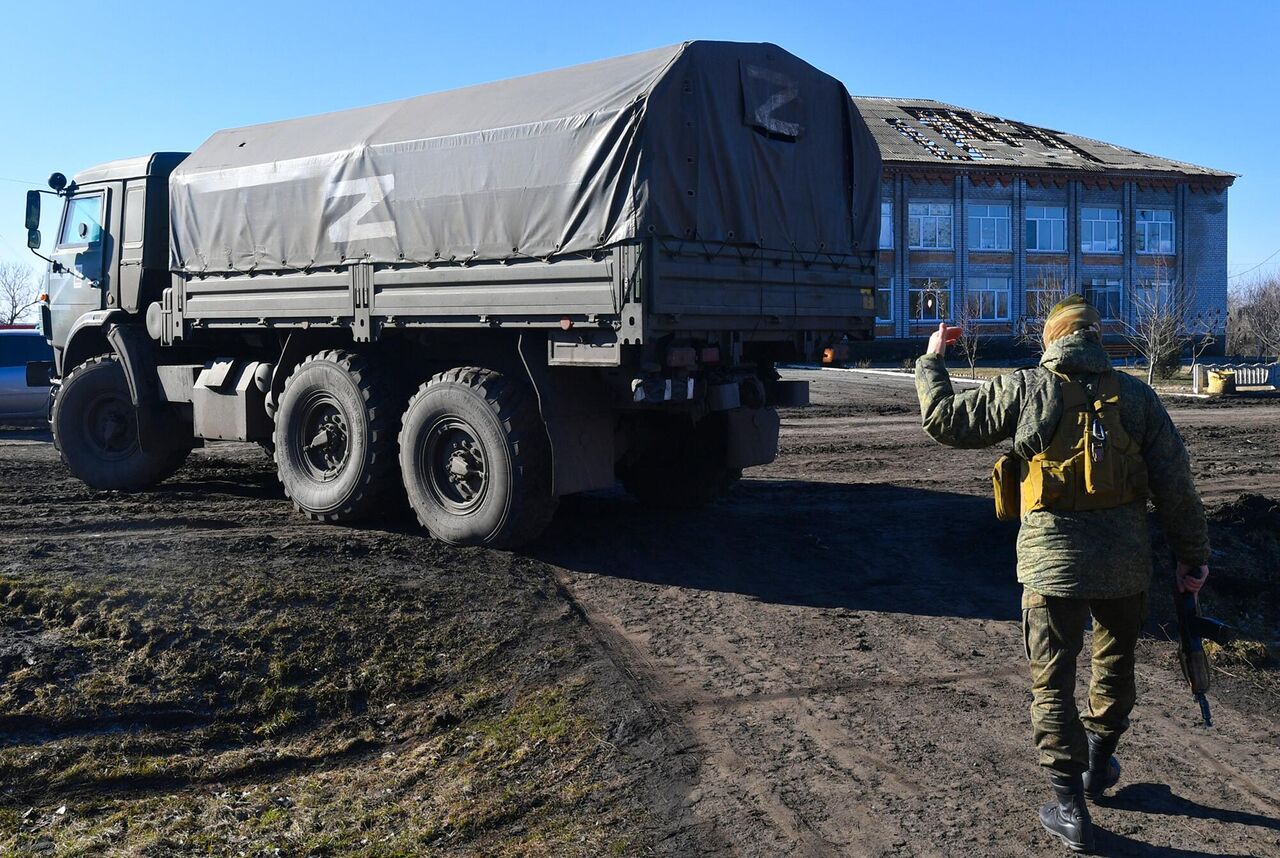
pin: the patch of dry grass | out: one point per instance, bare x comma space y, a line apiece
393, 704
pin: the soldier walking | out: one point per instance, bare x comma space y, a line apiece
1090, 446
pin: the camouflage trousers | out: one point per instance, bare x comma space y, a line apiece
1053, 631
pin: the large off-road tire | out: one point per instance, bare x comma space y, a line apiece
681, 468
335, 442
95, 429
475, 460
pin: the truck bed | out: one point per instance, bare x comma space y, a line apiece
641, 289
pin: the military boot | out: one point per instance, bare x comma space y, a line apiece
1104, 769
1068, 817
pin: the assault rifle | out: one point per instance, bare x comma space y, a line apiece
1193, 629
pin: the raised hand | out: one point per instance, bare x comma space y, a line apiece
943, 337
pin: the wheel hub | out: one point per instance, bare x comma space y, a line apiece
323, 437
454, 465
110, 427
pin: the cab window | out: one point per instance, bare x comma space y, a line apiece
134, 201
82, 223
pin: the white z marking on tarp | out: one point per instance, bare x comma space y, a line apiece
373, 192
788, 93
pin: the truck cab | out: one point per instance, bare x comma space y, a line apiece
110, 249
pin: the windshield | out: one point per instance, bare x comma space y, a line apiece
82, 223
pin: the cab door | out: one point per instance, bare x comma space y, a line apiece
131, 245
82, 251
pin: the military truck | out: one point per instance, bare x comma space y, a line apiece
481, 299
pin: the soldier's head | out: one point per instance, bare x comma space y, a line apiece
1072, 315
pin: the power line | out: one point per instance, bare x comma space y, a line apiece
12, 246
1256, 267
18, 181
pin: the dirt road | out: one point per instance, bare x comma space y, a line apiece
826, 663
839, 643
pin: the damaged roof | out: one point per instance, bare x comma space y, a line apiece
921, 131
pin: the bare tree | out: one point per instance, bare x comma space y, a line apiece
972, 337
1160, 321
1254, 319
1045, 289
1238, 340
1202, 330
17, 291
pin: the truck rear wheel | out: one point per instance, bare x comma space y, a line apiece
683, 468
335, 444
95, 429
475, 460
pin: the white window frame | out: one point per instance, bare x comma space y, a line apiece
1094, 223
1000, 290
1093, 285
886, 224
929, 217
1145, 223
1044, 221
942, 288
989, 226
1163, 302
1035, 302
884, 284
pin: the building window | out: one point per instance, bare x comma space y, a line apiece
1044, 292
1046, 228
1099, 230
929, 299
1104, 295
929, 226
1041, 301
884, 300
988, 227
1153, 296
987, 298
1155, 231
886, 224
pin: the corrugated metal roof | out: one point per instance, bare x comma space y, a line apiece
924, 131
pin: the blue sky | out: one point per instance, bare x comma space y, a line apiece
90, 82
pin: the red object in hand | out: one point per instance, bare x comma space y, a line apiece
953, 334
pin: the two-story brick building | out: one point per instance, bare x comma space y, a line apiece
995, 215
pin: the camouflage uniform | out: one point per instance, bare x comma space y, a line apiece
1073, 564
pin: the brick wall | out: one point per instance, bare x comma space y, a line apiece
1200, 235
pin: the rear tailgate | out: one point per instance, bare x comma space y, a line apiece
694, 285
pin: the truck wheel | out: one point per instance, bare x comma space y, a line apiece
475, 460
95, 429
335, 437
684, 470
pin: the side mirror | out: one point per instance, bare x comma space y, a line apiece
33, 209
33, 239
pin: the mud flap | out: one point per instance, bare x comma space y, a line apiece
579, 421
134, 352
752, 437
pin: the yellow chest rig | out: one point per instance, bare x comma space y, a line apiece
1091, 463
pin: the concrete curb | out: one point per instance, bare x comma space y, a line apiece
891, 373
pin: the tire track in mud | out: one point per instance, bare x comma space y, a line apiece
817, 807
847, 768
674, 698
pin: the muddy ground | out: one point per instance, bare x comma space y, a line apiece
825, 663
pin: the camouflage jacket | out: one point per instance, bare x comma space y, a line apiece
1086, 555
